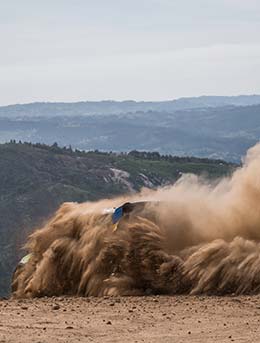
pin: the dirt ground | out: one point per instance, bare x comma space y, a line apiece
131, 319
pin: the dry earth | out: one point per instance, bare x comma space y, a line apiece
131, 319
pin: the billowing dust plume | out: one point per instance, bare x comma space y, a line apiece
193, 237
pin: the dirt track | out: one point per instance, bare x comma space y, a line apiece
132, 319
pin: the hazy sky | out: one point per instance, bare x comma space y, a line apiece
69, 50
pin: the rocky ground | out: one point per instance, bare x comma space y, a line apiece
131, 319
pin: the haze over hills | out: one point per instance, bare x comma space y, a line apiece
213, 127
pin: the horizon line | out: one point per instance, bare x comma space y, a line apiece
129, 100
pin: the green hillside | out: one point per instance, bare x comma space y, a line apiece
36, 179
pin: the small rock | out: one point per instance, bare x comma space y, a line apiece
56, 307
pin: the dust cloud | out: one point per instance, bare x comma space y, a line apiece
194, 237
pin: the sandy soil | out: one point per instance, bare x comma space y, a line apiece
131, 319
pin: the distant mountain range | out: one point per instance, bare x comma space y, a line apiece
119, 107
214, 127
